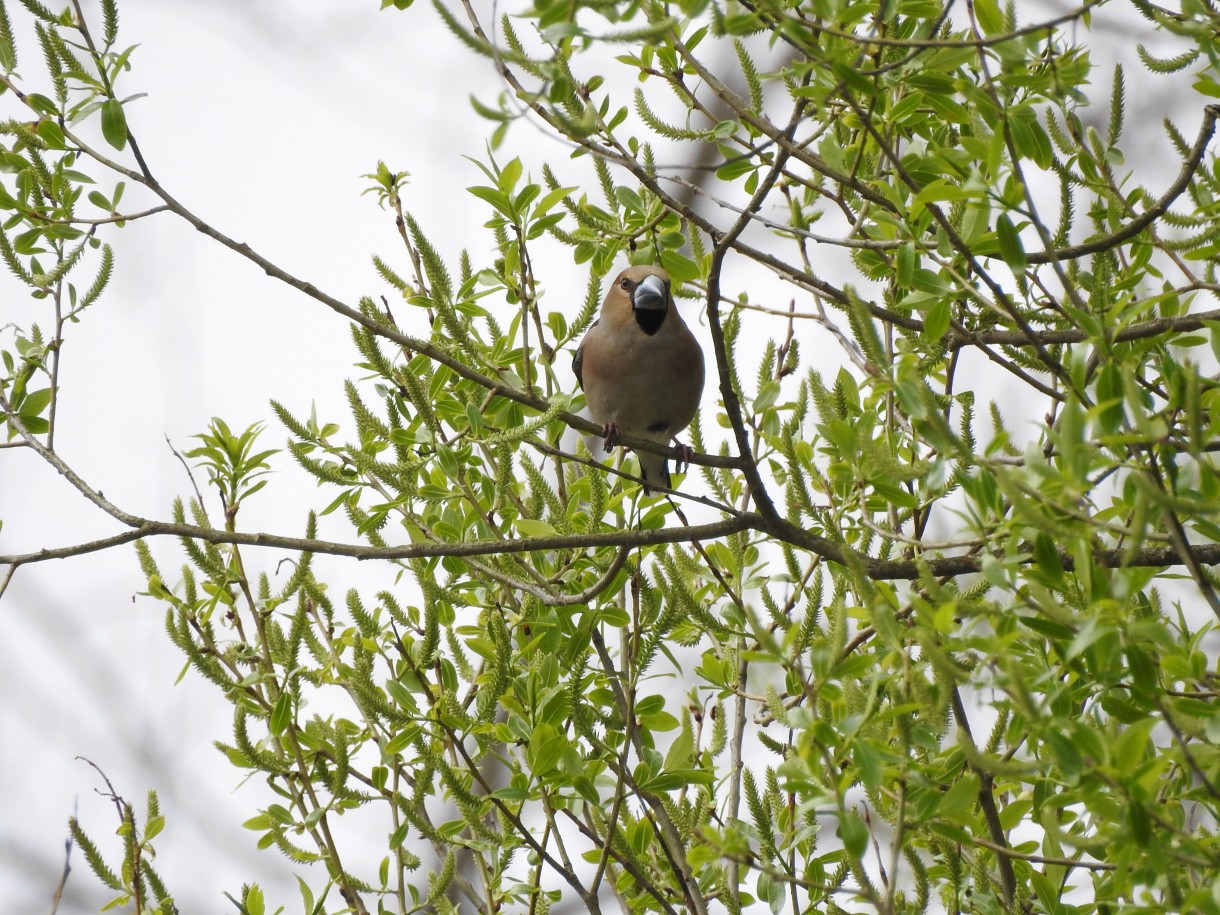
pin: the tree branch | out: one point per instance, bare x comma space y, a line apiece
956, 339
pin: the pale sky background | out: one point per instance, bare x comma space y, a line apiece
261, 117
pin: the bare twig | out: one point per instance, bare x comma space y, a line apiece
58, 895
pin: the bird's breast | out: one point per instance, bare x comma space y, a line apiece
648, 386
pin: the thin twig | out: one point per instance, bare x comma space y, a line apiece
991, 813
58, 895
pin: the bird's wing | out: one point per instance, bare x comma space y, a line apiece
578, 361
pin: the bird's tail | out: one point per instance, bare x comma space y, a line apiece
654, 468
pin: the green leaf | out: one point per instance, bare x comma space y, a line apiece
532, 527
767, 395
51, 134
546, 746
853, 832
907, 260
307, 903
1046, 558
153, 827
1131, 747
548, 200
868, 763
936, 320
990, 18
1206, 85
114, 123
629, 200
680, 267
1110, 395
253, 901
281, 715
679, 753
735, 168
34, 403
658, 721
400, 741
510, 175
957, 804
940, 191
1011, 249
1066, 754
775, 892
1141, 822
496, 198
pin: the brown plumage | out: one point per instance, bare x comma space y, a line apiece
641, 368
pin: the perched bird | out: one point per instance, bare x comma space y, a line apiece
641, 368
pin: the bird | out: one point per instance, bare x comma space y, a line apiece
641, 368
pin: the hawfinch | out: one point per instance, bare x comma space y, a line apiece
641, 368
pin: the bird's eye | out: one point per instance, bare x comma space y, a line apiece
625, 283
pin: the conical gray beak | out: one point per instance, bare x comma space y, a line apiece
650, 295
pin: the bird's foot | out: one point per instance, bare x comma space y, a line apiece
609, 436
683, 454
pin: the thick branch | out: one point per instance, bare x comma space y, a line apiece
728, 395
622, 538
876, 569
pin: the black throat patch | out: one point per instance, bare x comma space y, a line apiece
650, 321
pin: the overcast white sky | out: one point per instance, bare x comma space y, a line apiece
262, 115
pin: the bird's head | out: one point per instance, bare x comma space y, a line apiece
647, 288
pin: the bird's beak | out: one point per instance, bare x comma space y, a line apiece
650, 295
